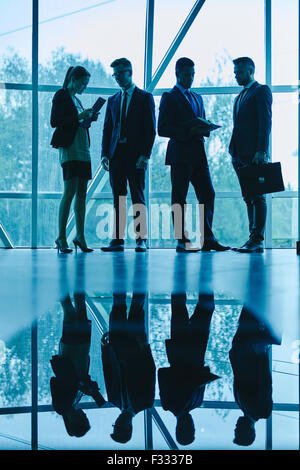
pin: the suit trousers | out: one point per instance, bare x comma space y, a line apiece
192, 331
257, 212
123, 171
182, 174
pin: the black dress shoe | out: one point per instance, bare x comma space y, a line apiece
186, 247
251, 246
141, 245
115, 245
210, 245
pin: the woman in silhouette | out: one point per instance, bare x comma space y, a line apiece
71, 137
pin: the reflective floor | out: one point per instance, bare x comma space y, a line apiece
149, 351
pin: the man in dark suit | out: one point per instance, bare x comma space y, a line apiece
128, 137
186, 154
249, 145
128, 365
252, 384
182, 384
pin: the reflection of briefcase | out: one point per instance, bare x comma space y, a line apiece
261, 179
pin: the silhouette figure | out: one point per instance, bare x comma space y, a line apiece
128, 137
71, 364
249, 144
128, 366
72, 140
250, 361
182, 384
186, 155
250, 354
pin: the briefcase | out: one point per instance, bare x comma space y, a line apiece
261, 179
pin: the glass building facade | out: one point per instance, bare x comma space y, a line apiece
40, 40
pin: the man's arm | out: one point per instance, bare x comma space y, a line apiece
167, 123
149, 125
264, 112
106, 137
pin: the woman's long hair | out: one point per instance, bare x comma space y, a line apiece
76, 72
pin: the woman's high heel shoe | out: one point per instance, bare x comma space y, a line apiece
85, 249
60, 248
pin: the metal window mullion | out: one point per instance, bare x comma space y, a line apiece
147, 80
175, 44
34, 342
268, 69
34, 175
298, 242
148, 43
203, 90
5, 238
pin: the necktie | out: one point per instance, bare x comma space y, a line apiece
192, 101
123, 117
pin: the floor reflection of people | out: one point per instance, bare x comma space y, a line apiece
71, 367
259, 327
129, 369
182, 384
250, 361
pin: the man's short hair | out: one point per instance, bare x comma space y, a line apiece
244, 60
122, 61
183, 62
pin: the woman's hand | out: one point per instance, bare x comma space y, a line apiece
87, 113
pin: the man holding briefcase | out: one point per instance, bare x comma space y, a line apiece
249, 145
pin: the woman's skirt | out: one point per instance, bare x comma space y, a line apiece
74, 169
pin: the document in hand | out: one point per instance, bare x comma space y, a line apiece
206, 125
96, 108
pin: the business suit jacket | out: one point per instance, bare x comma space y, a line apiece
140, 124
182, 385
134, 373
128, 365
252, 123
250, 364
174, 112
64, 117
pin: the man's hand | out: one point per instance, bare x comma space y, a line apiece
260, 158
94, 116
105, 163
142, 163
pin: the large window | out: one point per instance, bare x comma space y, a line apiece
93, 34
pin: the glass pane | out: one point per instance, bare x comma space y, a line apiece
15, 367
284, 222
92, 36
15, 140
285, 430
285, 372
15, 216
284, 42
15, 432
53, 435
218, 108
167, 25
221, 32
285, 150
16, 39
